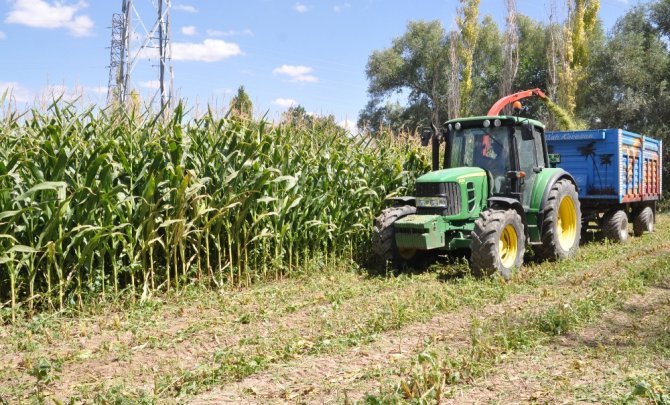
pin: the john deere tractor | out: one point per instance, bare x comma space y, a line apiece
493, 192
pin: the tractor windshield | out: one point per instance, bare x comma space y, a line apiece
488, 148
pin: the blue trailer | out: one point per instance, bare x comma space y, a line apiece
618, 176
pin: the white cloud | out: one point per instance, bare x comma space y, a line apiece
285, 102
349, 125
301, 8
43, 14
297, 73
15, 92
230, 33
341, 7
151, 84
189, 30
210, 50
2, 36
60, 91
185, 8
98, 90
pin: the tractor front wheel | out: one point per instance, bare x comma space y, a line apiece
561, 222
383, 237
498, 243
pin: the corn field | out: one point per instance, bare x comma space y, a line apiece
98, 202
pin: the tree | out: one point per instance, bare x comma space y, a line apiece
468, 25
240, 104
510, 49
393, 116
660, 16
533, 72
417, 63
629, 78
582, 21
486, 68
297, 116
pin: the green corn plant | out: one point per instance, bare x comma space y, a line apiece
103, 202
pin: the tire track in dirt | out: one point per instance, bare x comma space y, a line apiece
585, 362
329, 378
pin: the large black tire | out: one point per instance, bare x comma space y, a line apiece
644, 221
560, 240
383, 237
495, 229
615, 226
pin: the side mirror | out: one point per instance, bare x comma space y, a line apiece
426, 134
527, 132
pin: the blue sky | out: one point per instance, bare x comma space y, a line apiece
308, 52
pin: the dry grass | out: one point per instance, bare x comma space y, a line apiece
321, 334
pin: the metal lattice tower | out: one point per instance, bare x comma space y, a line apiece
132, 42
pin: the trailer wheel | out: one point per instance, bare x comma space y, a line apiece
644, 221
383, 237
615, 226
562, 222
498, 243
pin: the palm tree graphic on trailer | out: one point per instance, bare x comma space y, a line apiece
606, 161
589, 151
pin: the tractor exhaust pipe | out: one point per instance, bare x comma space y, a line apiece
432, 135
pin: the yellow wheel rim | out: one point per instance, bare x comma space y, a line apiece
508, 248
566, 224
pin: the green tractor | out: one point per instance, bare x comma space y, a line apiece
493, 192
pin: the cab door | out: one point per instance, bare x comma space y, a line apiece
531, 161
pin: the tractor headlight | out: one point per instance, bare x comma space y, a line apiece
431, 202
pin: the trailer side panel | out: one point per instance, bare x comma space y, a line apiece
610, 164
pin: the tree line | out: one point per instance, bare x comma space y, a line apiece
615, 79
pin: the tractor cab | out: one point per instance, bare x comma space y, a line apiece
511, 150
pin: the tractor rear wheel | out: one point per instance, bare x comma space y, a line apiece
615, 226
383, 237
644, 221
498, 243
561, 223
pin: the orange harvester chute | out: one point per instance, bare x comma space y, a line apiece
500, 104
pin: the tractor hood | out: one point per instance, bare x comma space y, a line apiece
456, 174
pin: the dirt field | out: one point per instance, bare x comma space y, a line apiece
591, 329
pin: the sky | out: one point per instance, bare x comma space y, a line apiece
309, 52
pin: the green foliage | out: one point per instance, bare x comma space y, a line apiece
628, 78
298, 118
660, 15
104, 202
468, 24
415, 62
650, 392
240, 104
488, 66
392, 116
582, 21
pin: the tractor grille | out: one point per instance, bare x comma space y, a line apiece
450, 190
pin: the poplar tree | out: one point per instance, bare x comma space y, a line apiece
468, 25
582, 20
